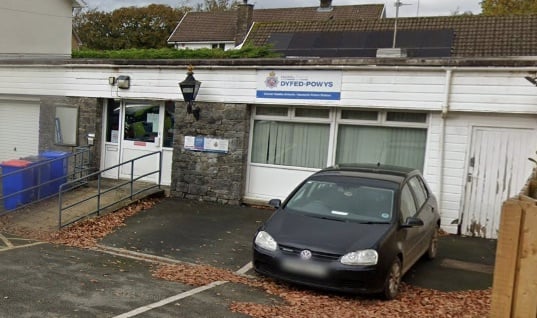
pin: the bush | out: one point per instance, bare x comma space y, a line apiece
169, 53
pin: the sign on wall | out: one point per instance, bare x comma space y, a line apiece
301, 85
200, 143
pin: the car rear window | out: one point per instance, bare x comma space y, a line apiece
345, 198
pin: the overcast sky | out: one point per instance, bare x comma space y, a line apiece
411, 8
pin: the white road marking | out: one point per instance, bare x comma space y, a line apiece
20, 246
245, 269
138, 256
6, 241
159, 259
168, 300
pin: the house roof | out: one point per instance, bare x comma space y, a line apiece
472, 36
221, 26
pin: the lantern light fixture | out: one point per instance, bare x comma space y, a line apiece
189, 88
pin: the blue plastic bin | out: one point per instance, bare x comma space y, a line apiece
15, 180
41, 176
58, 171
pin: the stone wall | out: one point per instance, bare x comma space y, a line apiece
89, 121
206, 176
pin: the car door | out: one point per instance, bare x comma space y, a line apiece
425, 212
411, 235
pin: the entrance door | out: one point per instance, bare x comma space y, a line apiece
133, 129
142, 134
498, 168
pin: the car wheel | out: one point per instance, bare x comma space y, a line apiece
393, 280
432, 251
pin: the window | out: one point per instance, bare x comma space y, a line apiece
112, 121
315, 137
408, 206
406, 117
359, 114
312, 112
141, 122
221, 46
398, 146
290, 144
66, 125
419, 191
169, 123
271, 111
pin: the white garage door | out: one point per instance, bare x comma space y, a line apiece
19, 129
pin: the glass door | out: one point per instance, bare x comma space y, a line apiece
142, 134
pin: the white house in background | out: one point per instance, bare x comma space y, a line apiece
228, 29
29, 29
36, 28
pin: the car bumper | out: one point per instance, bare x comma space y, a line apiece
337, 276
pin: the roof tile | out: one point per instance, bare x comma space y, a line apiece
221, 26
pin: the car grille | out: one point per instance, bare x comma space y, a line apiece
315, 255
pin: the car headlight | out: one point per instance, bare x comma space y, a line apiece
264, 240
365, 257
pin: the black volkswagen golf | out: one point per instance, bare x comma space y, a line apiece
350, 228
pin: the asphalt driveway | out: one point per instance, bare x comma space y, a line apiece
44, 280
221, 236
193, 232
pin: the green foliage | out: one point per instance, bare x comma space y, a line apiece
508, 7
217, 5
169, 53
128, 27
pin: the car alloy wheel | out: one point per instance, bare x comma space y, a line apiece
393, 280
432, 251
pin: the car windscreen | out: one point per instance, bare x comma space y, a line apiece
343, 198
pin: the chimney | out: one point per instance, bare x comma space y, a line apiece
326, 5
245, 16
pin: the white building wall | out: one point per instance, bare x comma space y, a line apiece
489, 97
30, 28
203, 45
455, 164
412, 89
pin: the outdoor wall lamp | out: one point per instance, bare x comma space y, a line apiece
123, 81
190, 87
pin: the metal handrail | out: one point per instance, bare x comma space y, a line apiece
68, 186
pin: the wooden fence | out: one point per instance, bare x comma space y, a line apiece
514, 291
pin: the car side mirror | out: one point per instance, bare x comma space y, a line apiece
413, 222
275, 203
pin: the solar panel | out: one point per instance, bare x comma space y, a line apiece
418, 43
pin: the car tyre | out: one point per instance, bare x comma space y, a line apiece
432, 251
393, 280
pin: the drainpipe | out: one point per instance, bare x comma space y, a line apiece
444, 115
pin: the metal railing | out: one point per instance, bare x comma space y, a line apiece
101, 192
41, 179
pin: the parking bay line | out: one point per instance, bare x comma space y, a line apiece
157, 259
169, 300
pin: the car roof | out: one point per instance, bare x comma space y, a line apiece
374, 171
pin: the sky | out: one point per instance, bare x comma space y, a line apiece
410, 8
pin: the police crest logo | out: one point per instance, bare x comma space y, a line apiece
272, 80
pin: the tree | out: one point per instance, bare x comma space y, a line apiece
129, 27
509, 7
217, 5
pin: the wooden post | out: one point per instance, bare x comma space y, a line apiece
525, 293
505, 267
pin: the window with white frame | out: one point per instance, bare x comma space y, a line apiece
291, 137
302, 137
391, 138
